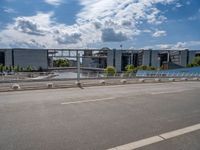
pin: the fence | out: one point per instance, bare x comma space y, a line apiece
183, 72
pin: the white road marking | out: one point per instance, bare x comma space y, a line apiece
87, 101
138, 144
180, 131
167, 92
158, 138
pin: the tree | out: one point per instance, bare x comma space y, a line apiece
110, 71
130, 69
195, 62
61, 63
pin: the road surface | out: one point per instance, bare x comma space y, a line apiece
101, 118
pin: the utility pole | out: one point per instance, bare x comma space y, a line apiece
78, 67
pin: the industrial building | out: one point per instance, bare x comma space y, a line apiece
99, 58
24, 57
168, 59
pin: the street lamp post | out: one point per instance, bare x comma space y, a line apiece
78, 68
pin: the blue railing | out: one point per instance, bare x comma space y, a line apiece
183, 72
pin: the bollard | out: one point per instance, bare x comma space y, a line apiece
78, 83
157, 79
103, 82
123, 81
142, 80
16, 87
171, 79
195, 79
50, 85
184, 79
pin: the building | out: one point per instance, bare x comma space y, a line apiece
24, 57
95, 59
98, 58
169, 59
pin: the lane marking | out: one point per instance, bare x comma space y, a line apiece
87, 101
110, 98
139, 143
158, 138
168, 92
179, 132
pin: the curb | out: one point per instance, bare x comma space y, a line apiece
50, 85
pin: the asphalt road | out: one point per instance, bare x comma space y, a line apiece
99, 118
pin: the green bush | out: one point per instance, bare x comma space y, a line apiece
61, 63
130, 69
110, 71
14, 68
29, 69
151, 68
7, 68
1, 68
195, 62
143, 67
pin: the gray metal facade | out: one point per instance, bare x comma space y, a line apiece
153, 57
26, 57
117, 58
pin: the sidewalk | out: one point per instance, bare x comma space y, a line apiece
55, 84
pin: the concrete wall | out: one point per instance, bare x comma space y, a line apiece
34, 58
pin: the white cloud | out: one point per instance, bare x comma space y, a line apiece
176, 46
164, 46
180, 45
109, 35
178, 5
123, 17
159, 33
53, 2
31, 43
98, 21
73, 38
29, 27
9, 10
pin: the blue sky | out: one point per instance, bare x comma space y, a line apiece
156, 24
